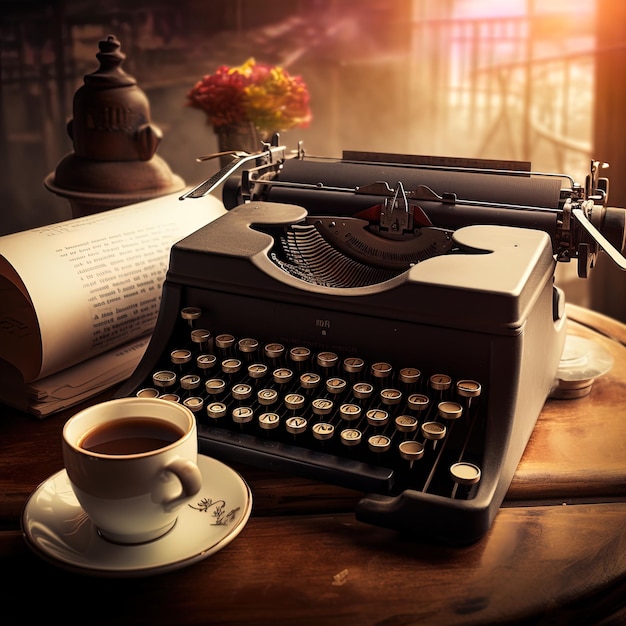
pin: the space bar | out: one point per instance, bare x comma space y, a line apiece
275, 455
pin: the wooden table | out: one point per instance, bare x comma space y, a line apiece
556, 553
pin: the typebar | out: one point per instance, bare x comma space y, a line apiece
376, 426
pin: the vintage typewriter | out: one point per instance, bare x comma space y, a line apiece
388, 324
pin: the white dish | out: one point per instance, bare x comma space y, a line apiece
56, 528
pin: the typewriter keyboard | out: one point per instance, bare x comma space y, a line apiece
369, 426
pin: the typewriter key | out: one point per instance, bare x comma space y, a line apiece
163, 378
440, 382
282, 375
353, 365
323, 431
310, 380
214, 386
231, 366
327, 359
336, 385
411, 450
247, 345
180, 357
269, 421
322, 406
201, 336
241, 391
449, 410
299, 354
266, 397
194, 403
381, 369
377, 417
390, 396
465, 473
274, 350
350, 412
410, 375
362, 390
206, 361
418, 401
190, 381
147, 392
406, 423
224, 341
242, 414
257, 370
468, 388
350, 437
191, 313
216, 410
379, 443
171, 397
296, 425
294, 401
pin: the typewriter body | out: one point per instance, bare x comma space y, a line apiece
335, 327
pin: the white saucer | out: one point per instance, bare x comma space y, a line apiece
57, 529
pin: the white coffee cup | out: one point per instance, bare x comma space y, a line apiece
132, 463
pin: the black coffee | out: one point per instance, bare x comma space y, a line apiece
130, 436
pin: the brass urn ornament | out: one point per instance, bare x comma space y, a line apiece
114, 162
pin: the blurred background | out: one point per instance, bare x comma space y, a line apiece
505, 79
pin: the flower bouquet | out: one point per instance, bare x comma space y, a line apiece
255, 94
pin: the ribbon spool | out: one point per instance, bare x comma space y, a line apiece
582, 361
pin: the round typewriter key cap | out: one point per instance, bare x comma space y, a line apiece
299, 354
322, 406
411, 450
282, 375
350, 437
180, 357
247, 345
362, 390
194, 403
465, 473
310, 380
381, 369
148, 392
449, 410
323, 431
269, 421
191, 313
295, 425
468, 388
257, 370
214, 386
433, 431
353, 365
206, 361
379, 443
406, 423
225, 341
294, 401
200, 335
216, 410
440, 382
350, 412
242, 414
335, 385
327, 359
163, 378
241, 391
390, 396
418, 401
171, 397
377, 417
231, 366
410, 375
267, 396
274, 350
190, 381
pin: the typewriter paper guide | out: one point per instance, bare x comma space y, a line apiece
489, 286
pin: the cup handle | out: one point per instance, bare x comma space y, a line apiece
190, 478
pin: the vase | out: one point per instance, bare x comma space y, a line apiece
242, 136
